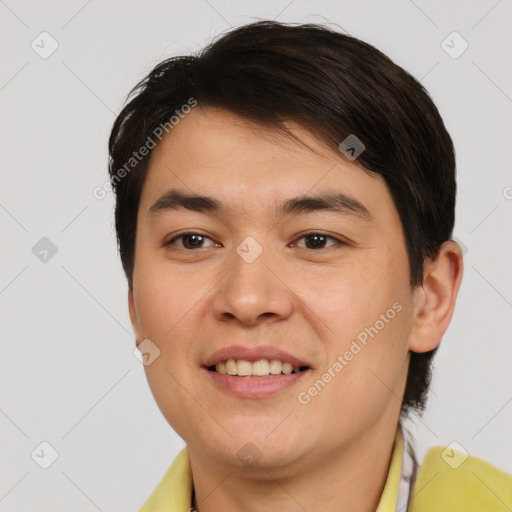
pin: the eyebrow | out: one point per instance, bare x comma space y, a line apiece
337, 202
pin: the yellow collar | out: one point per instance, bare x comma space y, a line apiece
389, 494
448, 480
174, 492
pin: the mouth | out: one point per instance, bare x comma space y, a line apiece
257, 372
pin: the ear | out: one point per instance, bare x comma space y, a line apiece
133, 316
435, 299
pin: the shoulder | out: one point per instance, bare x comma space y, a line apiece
452, 481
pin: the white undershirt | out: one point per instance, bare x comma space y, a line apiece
408, 476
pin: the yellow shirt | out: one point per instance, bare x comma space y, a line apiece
448, 481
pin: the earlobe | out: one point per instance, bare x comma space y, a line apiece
435, 299
133, 315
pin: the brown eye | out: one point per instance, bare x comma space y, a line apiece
316, 241
190, 241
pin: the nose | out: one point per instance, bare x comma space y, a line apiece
253, 292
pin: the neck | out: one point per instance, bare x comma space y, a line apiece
350, 478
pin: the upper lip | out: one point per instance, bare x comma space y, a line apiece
253, 354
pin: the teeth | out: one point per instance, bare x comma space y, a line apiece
243, 367
287, 368
230, 367
275, 367
260, 368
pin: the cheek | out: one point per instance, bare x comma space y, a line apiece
165, 307
346, 300
364, 375
364, 316
162, 299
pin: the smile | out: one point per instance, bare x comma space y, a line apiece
254, 372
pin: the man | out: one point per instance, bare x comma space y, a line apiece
284, 207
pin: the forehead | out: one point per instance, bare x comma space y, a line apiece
246, 165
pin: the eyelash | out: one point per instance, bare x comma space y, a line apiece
303, 235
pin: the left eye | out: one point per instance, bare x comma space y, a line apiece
318, 240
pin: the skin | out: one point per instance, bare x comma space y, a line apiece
333, 453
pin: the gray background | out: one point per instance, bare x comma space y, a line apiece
68, 373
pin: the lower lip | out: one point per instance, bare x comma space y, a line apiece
255, 387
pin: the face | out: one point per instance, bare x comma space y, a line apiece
258, 278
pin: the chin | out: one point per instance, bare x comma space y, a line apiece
258, 445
